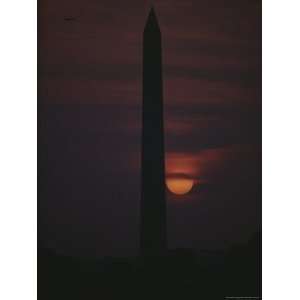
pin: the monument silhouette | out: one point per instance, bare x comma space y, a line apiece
153, 240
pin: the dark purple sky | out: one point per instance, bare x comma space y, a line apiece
90, 121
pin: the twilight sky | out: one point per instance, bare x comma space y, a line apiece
90, 97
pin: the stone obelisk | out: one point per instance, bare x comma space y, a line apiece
153, 239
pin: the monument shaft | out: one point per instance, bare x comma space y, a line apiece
153, 204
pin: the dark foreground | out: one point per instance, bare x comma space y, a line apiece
178, 274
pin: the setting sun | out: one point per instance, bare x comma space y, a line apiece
179, 185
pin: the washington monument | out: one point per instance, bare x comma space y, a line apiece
153, 240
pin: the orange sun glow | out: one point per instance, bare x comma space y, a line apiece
179, 185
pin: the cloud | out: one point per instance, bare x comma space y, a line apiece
97, 71
246, 77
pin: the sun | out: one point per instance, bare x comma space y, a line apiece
179, 185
